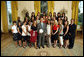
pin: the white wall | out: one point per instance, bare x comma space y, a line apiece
58, 5
29, 5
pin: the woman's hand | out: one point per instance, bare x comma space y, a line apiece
70, 34
58, 33
26, 33
64, 34
54, 33
39, 32
36, 30
20, 33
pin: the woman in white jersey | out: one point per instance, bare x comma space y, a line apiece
49, 34
61, 33
24, 34
15, 32
28, 32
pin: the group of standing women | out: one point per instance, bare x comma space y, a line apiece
44, 29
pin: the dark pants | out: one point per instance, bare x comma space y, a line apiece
52, 39
37, 39
71, 41
41, 40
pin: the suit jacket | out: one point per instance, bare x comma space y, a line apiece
39, 26
72, 29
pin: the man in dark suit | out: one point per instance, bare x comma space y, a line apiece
72, 30
41, 29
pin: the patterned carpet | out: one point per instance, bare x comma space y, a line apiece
8, 49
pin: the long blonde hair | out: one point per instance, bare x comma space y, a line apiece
55, 22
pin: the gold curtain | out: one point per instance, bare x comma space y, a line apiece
50, 7
37, 5
14, 10
75, 11
4, 16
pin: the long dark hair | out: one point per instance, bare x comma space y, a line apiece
50, 13
36, 17
55, 14
58, 13
27, 14
25, 19
18, 24
67, 23
32, 14
33, 17
62, 14
14, 22
66, 18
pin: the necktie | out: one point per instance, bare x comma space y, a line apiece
42, 25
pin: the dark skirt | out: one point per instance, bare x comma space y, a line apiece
52, 39
19, 37
24, 38
55, 37
28, 38
15, 36
66, 37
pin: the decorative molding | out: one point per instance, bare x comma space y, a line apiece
63, 11
23, 12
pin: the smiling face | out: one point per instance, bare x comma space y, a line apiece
43, 17
29, 22
66, 22
55, 22
24, 23
54, 18
38, 14
60, 22
19, 24
37, 17
52, 22
63, 14
72, 21
35, 22
15, 24
50, 14
58, 14
41, 20
44, 13
49, 17
59, 19
26, 18
32, 18
54, 14
48, 21
33, 13
65, 18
